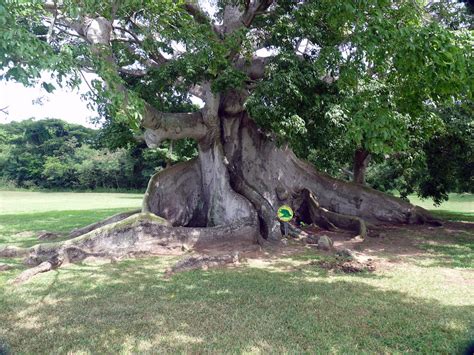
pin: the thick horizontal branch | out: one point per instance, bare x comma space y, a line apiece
133, 72
162, 125
193, 8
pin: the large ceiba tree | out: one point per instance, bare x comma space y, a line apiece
392, 58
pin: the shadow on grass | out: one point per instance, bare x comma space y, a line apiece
452, 246
458, 253
21, 229
130, 307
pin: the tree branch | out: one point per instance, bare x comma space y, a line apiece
193, 8
234, 18
255, 8
161, 125
98, 33
157, 59
255, 69
138, 73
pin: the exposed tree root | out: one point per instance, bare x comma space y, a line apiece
13, 252
115, 218
332, 220
45, 235
43, 267
139, 234
202, 262
5, 267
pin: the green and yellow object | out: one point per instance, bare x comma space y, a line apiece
285, 213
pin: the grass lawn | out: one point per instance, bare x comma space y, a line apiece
13, 202
459, 207
285, 304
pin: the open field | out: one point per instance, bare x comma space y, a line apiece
12, 202
419, 299
459, 207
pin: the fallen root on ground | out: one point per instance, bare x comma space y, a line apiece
203, 262
43, 267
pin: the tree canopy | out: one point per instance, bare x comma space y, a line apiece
383, 64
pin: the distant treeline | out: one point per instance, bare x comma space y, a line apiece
54, 154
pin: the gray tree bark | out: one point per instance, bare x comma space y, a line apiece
361, 162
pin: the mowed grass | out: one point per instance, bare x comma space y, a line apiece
24, 214
21, 229
13, 202
264, 306
459, 207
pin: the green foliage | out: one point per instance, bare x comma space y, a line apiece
436, 166
24, 52
387, 68
54, 154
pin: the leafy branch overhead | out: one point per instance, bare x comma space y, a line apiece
388, 63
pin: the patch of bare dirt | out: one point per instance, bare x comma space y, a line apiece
346, 266
385, 247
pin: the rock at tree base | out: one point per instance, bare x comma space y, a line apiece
325, 243
45, 235
345, 254
5, 267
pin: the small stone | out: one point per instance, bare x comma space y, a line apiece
5, 267
345, 253
44, 235
325, 243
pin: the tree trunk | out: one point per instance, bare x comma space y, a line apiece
361, 162
241, 173
230, 192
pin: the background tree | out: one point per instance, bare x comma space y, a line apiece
433, 167
54, 154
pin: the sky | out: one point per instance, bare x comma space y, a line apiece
23, 103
